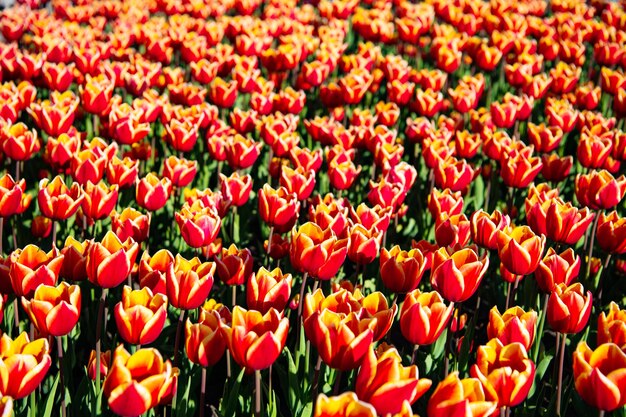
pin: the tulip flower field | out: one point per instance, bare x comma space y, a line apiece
328, 208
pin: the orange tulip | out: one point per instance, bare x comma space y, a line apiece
364, 244
152, 193
110, 262
99, 200
31, 266
519, 169
559, 221
255, 340
461, 397
23, 365
152, 270
179, 171
138, 382
424, 317
188, 283
235, 265
383, 382
56, 200
236, 188
265, 290
317, 252
612, 326
130, 223
556, 268
598, 375
401, 271
513, 326
599, 190
122, 172
569, 308
19, 143
199, 225
11, 194
105, 361
520, 249
278, 208
54, 310
140, 316
505, 372
344, 405
611, 232
454, 174
204, 341
457, 275
484, 227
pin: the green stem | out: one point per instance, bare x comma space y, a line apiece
33, 405
99, 321
560, 380
61, 379
542, 321
593, 237
179, 331
257, 393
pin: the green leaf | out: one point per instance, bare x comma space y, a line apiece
51, 397
439, 346
540, 372
229, 408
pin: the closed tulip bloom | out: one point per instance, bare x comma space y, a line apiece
236, 188
56, 200
298, 181
484, 227
131, 223
105, 362
255, 340
364, 244
278, 208
54, 310
99, 200
505, 371
452, 230
189, 282
204, 341
377, 309
268, 289
455, 174
612, 326
74, 253
401, 271
598, 375
19, 143
611, 233
342, 340
153, 269
11, 193
88, 165
235, 265
424, 317
457, 275
241, 152
556, 168
556, 269
198, 225
559, 221
23, 365
520, 249
41, 227
518, 170
109, 262
513, 326
344, 405
180, 171
317, 252
383, 382
152, 193
140, 316
31, 266
138, 382
544, 138
445, 201
342, 173
569, 308
593, 150
122, 172
461, 397
599, 190
182, 134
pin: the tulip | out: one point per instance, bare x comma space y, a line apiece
518, 169
383, 382
457, 275
544, 138
452, 230
96, 94
364, 244
401, 271
56, 200
461, 397
424, 317
504, 371
99, 200
255, 340
31, 266
298, 181
153, 269
265, 290
122, 172
54, 310
198, 225
204, 341
23, 365
110, 262
189, 282
599, 190
484, 228
138, 382
559, 221
236, 188
513, 326
182, 135
242, 153
234, 267
342, 173
612, 326
556, 269
454, 174
319, 253
555, 168
520, 249
130, 223
179, 171
140, 316
152, 193
19, 143
344, 405
11, 195
597, 375
105, 361
278, 208
611, 233
569, 308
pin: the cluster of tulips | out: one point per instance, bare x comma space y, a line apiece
284, 208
